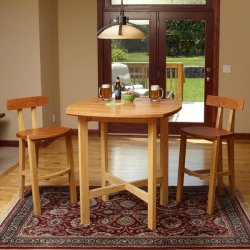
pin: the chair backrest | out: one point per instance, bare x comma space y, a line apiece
23, 103
225, 103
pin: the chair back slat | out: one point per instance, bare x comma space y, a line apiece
28, 102
225, 103
21, 126
34, 117
231, 121
219, 118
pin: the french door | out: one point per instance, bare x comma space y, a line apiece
189, 55
180, 53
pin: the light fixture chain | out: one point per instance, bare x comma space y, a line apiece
122, 9
110, 31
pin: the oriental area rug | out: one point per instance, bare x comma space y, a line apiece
121, 223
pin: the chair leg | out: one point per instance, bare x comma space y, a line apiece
213, 175
21, 167
72, 185
220, 169
182, 156
34, 177
230, 150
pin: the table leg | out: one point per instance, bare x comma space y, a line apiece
164, 160
152, 125
104, 156
83, 170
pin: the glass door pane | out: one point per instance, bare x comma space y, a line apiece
130, 62
185, 63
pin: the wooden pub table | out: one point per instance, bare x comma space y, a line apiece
140, 111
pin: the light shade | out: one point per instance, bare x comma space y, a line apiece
128, 32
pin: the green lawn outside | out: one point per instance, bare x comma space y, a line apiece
187, 61
137, 57
193, 90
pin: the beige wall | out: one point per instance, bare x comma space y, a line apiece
21, 65
48, 27
77, 53
20, 74
235, 51
29, 61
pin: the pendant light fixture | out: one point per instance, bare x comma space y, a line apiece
120, 29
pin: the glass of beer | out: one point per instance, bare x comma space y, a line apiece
156, 93
105, 92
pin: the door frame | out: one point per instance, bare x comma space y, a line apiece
106, 12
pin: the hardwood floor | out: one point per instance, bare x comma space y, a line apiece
128, 160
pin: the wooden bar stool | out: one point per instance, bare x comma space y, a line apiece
216, 135
33, 137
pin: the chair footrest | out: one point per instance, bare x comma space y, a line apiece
225, 173
198, 173
58, 173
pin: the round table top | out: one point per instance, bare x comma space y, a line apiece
140, 108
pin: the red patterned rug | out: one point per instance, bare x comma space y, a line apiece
122, 223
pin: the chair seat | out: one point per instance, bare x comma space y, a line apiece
208, 133
43, 133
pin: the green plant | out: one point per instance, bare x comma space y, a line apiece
119, 55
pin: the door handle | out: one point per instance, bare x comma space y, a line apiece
208, 79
